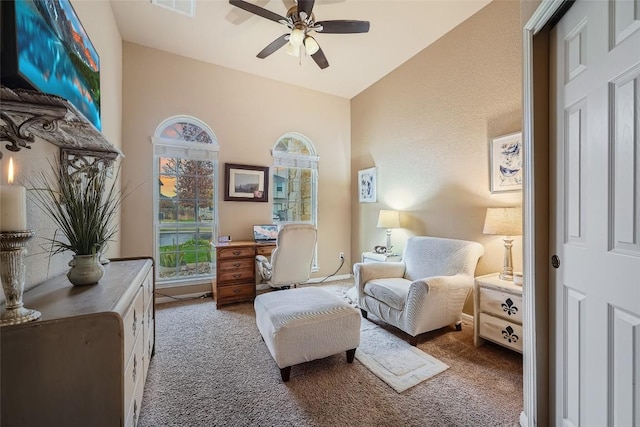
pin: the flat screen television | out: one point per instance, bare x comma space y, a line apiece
44, 47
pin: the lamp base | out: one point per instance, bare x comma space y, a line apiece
506, 276
14, 316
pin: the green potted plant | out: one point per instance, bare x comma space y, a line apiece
84, 207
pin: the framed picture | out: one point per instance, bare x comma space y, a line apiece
367, 185
244, 183
505, 163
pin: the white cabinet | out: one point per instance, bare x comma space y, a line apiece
374, 257
84, 362
498, 312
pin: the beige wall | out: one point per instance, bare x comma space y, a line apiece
248, 114
99, 23
426, 127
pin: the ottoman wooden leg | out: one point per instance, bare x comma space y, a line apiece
284, 373
350, 355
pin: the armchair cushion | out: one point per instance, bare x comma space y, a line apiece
393, 292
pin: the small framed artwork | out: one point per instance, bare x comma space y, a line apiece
505, 163
367, 185
245, 183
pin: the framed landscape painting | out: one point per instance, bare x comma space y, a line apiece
245, 183
367, 185
505, 163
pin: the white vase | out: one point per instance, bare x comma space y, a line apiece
85, 270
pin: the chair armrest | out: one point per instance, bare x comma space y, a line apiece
363, 272
439, 284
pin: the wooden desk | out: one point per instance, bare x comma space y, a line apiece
236, 270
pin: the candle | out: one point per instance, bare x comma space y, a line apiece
13, 204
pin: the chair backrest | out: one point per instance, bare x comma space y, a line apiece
436, 256
292, 258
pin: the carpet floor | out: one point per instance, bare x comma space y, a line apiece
211, 368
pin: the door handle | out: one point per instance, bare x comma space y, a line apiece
555, 261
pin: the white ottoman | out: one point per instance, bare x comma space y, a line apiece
304, 324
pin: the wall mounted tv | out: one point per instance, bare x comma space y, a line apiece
45, 47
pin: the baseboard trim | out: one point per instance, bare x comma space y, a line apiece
467, 317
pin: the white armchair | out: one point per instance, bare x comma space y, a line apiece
424, 291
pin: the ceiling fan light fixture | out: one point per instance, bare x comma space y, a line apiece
311, 45
293, 50
297, 37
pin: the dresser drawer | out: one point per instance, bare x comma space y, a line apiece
134, 370
234, 276
235, 264
132, 323
134, 407
245, 290
236, 252
501, 304
501, 331
147, 285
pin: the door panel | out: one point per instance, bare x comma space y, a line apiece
595, 187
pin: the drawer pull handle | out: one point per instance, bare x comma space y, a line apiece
236, 291
508, 335
237, 253
509, 308
135, 367
237, 264
135, 322
237, 275
135, 411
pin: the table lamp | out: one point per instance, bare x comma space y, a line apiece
505, 222
388, 219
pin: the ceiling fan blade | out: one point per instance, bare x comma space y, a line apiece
273, 46
343, 27
320, 59
257, 10
305, 6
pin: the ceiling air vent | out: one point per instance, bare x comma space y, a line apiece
186, 7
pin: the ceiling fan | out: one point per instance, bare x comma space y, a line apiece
301, 22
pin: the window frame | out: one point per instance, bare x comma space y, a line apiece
282, 159
182, 148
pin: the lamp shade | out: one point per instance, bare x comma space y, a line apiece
388, 219
311, 45
503, 221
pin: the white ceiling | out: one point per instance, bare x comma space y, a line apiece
222, 34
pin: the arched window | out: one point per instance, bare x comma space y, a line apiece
295, 180
185, 156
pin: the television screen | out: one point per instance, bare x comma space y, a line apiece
46, 48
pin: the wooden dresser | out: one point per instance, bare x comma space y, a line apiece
236, 270
85, 361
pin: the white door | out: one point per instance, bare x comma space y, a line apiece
595, 198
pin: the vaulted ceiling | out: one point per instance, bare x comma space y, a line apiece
222, 34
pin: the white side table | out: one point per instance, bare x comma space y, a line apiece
374, 257
497, 312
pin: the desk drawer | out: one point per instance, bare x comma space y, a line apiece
501, 331
235, 264
244, 290
234, 276
265, 250
501, 304
236, 252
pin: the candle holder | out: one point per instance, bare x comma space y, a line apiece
12, 251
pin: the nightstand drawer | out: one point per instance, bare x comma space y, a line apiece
501, 331
501, 304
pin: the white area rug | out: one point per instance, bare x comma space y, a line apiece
390, 358
393, 360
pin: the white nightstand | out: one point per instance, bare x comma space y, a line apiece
374, 257
497, 312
